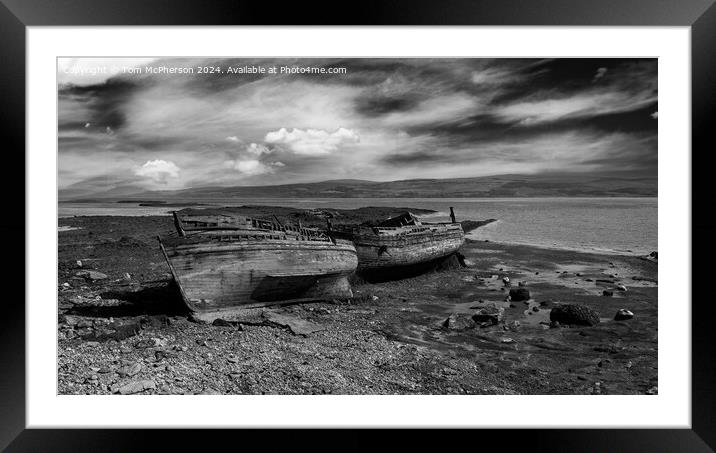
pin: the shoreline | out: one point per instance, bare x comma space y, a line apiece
468, 234
125, 331
591, 251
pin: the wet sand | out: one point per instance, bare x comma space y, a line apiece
130, 334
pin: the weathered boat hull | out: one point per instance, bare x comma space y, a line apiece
215, 276
416, 245
378, 253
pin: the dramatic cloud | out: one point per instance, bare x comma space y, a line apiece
383, 119
158, 171
312, 142
601, 72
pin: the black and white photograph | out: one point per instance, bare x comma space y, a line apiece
357, 226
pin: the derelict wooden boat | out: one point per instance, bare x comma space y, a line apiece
402, 241
249, 263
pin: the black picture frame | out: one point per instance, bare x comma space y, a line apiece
700, 15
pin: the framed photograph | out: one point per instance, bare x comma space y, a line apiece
416, 217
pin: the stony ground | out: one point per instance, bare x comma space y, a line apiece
122, 328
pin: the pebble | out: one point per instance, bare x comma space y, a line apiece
130, 369
82, 323
135, 387
91, 275
144, 343
623, 314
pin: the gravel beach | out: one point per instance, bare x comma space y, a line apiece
490, 327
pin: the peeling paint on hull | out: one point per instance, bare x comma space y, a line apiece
216, 276
411, 246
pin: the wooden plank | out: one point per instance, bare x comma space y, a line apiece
215, 275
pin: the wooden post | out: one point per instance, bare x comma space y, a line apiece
328, 231
452, 214
178, 224
279, 222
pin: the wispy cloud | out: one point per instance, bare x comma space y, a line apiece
601, 72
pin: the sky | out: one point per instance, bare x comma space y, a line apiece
133, 123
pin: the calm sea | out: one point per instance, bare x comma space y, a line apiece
615, 225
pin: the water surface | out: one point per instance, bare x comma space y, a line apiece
614, 225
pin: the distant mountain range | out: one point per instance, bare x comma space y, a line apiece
543, 185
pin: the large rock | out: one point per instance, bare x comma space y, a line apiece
297, 325
574, 314
491, 314
459, 321
520, 293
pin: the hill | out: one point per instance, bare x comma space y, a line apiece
544, 185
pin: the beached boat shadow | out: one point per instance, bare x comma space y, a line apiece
452, 261
156, 298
